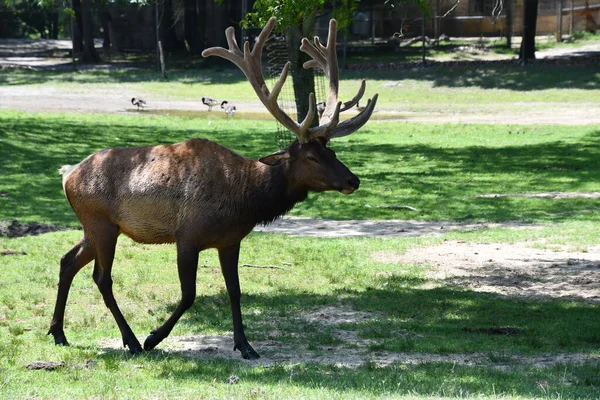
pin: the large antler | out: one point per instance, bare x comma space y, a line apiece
324, 57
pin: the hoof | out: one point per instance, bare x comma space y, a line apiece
248, 353
61, 341
59, 337
151, 341
136, 350
134, 346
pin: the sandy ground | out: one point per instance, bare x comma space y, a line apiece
300, 226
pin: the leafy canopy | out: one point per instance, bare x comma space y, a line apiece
291, 13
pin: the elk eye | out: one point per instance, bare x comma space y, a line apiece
313, 159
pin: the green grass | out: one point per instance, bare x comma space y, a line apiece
406, 315
441, 170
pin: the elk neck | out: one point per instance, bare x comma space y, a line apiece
268, 192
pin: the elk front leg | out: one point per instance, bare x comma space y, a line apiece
187, 265
229, 266
71, 263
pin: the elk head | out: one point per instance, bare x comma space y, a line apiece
312, 165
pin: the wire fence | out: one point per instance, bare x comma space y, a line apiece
278, 55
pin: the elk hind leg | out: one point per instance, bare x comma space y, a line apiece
187, 267
71, 263
105, 244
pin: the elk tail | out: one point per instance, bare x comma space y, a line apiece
65, 170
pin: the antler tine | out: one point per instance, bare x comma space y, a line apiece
325, 57
249, 62
308, 119
355, 99
234, 54
325, 129
353, 124
263, 36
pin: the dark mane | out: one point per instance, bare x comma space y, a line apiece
274, 199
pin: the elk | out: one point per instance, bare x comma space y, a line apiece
199, 195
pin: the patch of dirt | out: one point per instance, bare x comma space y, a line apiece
518, 269
302, 226
45, 365
352, 352
12, 228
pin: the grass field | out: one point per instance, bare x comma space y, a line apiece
404, 314
335, 320
441, 170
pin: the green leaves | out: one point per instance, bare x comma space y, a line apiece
296, 13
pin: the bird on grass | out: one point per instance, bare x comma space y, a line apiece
359, 107
210, 102
321, 108
140, 103
230, 110
362, 108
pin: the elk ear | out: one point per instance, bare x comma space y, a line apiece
276, 158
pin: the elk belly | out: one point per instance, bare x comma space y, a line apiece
145, 221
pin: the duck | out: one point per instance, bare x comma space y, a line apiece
210, 102
140, 103
230, 110
359, 107
362, 108
321, 108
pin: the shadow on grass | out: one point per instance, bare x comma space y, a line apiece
438, 321
399, 309
447, 182
545, 74
443, 182
217, 72
492, 75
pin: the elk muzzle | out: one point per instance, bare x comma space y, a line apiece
352, 183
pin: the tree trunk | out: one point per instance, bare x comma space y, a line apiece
216, 24
303, 79
89, 51
530, 10
53, 24
105, 20
509, 23
191, 28
77, 27
169, 38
